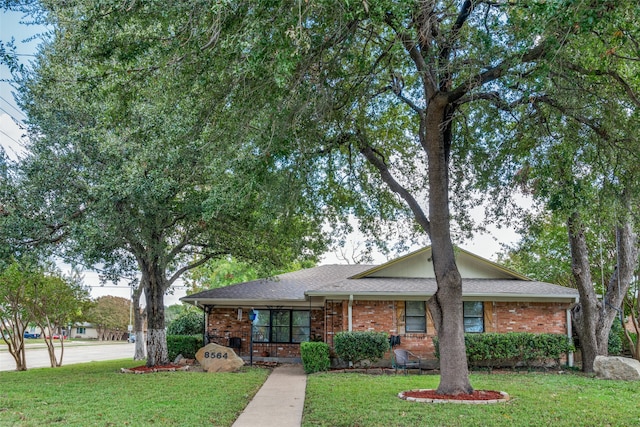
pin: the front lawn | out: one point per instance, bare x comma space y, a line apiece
97, 394
537, 399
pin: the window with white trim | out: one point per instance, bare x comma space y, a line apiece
473, 316
415, 317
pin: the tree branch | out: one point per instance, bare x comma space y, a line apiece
374, 158
414, 51
187, 267
496, 72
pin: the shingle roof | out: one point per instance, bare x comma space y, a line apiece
333, 280
288, 286
428, 287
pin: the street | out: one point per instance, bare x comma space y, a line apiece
78, 352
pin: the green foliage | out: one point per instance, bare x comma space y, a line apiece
357, 346
186, 345
315, 356
514, 348
188, 323
226, 271
616, 337
110, 314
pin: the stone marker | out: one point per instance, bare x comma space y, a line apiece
616, 368
216, 358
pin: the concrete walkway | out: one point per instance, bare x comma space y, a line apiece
279, 402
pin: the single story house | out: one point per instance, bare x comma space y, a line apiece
317, 303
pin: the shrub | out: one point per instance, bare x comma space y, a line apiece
315, 356
189, 323
493, 349
186, 345
358, 346
615, 338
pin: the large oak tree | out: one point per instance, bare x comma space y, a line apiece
134, 170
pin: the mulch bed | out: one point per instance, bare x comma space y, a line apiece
477, 396
159, 368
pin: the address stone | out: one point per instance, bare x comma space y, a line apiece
616, 368
216, 358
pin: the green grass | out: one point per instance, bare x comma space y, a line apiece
536, 400
97, 394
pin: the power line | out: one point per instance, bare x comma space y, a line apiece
9, 114
11, 105
11, 138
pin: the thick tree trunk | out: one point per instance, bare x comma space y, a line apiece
593, 318
446, 304
154, 288
619, 283
138, 324
585, 313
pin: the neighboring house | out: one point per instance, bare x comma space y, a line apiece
317, 303
84, 330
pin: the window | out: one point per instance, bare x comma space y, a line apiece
301, 326
81, 330
415, 316
282, 326
473, 316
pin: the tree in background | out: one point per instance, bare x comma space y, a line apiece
138, 171
632, 304
110, 316
228, 271
33, 294
16, 290
578, 155
57, 301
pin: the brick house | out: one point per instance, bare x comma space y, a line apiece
316, 303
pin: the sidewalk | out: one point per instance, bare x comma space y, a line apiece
279, 402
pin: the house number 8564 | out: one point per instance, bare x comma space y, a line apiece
210, 355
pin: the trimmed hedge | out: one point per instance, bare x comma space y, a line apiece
315, 356
514, 348
188, 323
186, 345
355, 347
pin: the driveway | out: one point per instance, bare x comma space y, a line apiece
77, 352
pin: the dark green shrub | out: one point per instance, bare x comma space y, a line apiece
186, 345
188, 323
615, 338
492, 349
315, 356
355, 347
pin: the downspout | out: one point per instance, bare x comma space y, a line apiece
350, 313
204, 323
570, 335
350, 318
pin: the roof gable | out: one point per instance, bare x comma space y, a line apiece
419, 264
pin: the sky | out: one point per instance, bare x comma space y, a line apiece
12, 25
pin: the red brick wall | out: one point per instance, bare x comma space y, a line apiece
388, 316
535, 317
223, 323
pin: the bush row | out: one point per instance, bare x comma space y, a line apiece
513, 349
356, 347
186, 345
